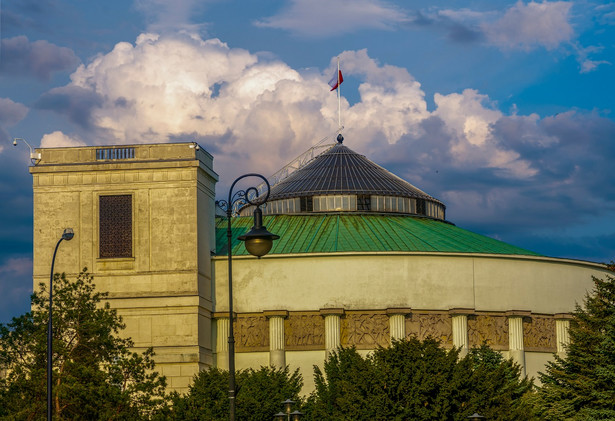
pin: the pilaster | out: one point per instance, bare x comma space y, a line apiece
516, 346
277, 354
333, 332
459, 322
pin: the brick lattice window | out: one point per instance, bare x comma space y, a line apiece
115, 223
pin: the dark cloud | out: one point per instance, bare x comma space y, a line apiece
16, 232
40, 59
464, 34
11, 112
75, 102
570, 154
16, 282
455, 30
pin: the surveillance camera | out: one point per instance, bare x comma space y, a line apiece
14, 142
197, 148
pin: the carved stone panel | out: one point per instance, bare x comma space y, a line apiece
251, 333
304, 332
539, 334
489, 329
365, 330
435, 325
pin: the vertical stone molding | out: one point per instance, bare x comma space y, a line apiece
562, 324
397, 322
459, 321
277, 354
516, 347
222, 328
333, 332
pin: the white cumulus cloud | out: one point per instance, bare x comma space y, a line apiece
258, 114
58, 139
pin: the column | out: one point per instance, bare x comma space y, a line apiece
333, 332
397, 322
277, 354
516, 349
562, 337
222, 331
459, 319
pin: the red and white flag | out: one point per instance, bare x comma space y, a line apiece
336, 80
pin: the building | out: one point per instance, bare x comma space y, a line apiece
363, 257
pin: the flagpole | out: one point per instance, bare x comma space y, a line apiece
339, 97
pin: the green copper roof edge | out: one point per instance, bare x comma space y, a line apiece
435, 236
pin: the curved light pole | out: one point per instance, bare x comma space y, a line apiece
67, 235
258, 242
35, 157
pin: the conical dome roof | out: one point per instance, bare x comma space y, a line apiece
341, 180
340, 170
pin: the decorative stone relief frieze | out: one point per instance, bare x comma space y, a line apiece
251, 333
490, 329
437, 325
540, 334
304, 332
365, 330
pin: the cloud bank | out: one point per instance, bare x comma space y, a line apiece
523, 26
323, 18
257, 114
39, 59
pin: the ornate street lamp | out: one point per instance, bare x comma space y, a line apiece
258, 242
67, 235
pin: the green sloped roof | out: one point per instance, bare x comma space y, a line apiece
346, 232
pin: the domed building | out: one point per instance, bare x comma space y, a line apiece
364, 257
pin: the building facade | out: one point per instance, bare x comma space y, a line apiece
364, 258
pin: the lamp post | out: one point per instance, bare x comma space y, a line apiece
476, 416
35, 157
288, 405
258, 242
67, 235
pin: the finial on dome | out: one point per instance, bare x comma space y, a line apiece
340, 138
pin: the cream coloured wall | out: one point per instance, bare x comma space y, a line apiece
419, 281
531, 290
163, 292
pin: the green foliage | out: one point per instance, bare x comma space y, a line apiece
95, 376
259, 395
419, 381
581, 386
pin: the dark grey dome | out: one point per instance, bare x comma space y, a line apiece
341, 180
340, 170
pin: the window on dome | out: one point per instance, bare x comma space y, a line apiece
393, 204
306, 204
363, 202
334, 203
420, 206
283, 206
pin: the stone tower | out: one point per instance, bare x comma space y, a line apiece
143, 217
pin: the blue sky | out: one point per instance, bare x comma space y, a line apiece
501, 109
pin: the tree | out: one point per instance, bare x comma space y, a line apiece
259, 395
95, 375
581, 386
417, 380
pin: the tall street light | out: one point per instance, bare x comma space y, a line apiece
258, 242
67, 235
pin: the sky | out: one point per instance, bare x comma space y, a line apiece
500, 109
